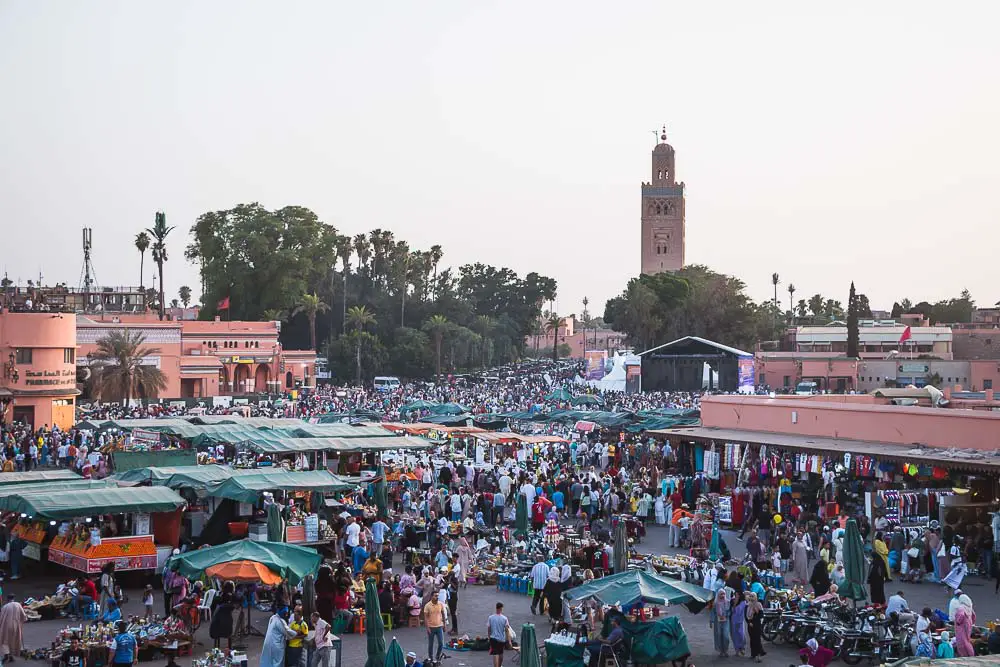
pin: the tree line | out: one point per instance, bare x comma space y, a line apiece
370, 301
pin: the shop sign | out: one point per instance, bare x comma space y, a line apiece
241, 360
914, 368
140, 524
49, 378
145, 437
95, 565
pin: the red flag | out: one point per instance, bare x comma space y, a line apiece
904, 337
224, 305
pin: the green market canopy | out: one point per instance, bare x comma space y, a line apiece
50, 487
289, 561
72, 503
449, 409
559, 395
417, 405
202, 479
247, 488
351, 445
34, 476
633, 586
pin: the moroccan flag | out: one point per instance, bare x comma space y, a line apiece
224, 305
903, 338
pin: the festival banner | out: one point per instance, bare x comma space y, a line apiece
745, 383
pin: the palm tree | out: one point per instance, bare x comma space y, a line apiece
535, 330
553, 324
185, 294
311, 305
118, 371
141, 244
791, 300
436, 326
774, 281
436, 255
344, 252
585, 322
273, 315
360, 317
485, 324
159, 232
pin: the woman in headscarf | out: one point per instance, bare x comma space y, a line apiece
755, 626
965, 617
553, 594
719, 617
877, 577
800, 560
276, 638
838, 575
881, 550
326, 590
815, 655
925, 645
820, 579
737, 628
465, 556
660, 509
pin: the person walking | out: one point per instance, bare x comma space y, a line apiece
539, 577
322, 640
965, 617
720, 622
498, 628
434, 620
737, 623
12, 620
755, 626
800, 560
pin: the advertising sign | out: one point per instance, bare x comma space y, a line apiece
596, 360
745, 383
633, 379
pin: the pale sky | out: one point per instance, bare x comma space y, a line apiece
827, 143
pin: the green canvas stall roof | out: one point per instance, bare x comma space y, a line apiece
247, 488
86, 502
628, 588
198, 478
295, 445
289, 561
339, 431
57, 485
252, 422
149, 424
36, 476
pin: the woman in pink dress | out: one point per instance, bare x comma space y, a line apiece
965, 616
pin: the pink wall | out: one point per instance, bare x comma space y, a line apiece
936, 427
48, 383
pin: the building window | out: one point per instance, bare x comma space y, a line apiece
987, 384
23, 355
787, 380
69, 355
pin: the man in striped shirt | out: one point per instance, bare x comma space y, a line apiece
539, 575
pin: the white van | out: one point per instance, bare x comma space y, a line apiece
386, 383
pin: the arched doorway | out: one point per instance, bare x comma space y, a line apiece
260, 379
288, 380
224, 387
241, 379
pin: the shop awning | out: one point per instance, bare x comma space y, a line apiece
338, 431
198, 478
87, 502
51, 487
36, 476
969, 459
628, 588
289, 561
351, 445
247, 488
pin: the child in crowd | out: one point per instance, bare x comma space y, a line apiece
147, 602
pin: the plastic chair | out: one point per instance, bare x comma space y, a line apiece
91, 612
205, 608
387, 620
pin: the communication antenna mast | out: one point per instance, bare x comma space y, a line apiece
89, 276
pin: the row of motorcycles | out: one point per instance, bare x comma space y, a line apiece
853, 634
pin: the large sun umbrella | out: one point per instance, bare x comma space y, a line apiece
374, 628
381, 494
529, 647
854, 564
634, 586
288, 561
559, 395
244, 571
449, 409
714, 550
417, 405
275, 524
521, 517
621, 547
394, 656
586, 399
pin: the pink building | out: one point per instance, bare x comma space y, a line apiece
38, 353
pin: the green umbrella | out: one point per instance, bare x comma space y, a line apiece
291, 562
394, 656
714, 550
854, 564
275, 524
529, 647
521, 518
417, 405
374, 628
628, 588
559, 395
587, 399
621, 547
381, 494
